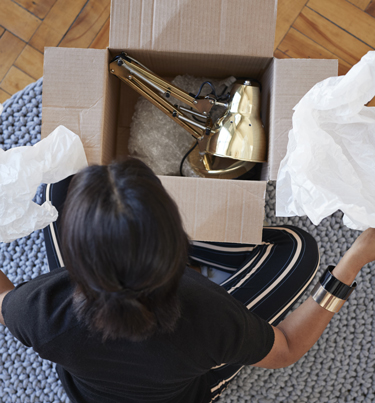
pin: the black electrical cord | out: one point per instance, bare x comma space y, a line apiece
201, 87
223, 96
185, 156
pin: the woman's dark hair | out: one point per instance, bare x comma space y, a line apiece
125, 249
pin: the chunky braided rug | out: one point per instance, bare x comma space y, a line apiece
339, 368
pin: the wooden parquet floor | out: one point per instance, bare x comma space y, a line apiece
339, 29
27, 26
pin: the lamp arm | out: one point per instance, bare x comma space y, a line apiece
202, 105
137, 82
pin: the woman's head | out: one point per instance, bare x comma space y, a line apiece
125, 248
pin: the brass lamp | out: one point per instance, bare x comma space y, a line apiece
227, 148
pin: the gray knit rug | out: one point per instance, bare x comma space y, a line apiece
339, 368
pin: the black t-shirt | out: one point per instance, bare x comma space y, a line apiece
167, 368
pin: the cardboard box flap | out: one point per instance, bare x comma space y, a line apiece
292, 79
74, 92
243, 27
219, 210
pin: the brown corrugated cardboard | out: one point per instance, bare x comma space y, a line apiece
76, 98
214, 206
216, 27
211, 39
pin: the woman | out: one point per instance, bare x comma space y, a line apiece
126, 320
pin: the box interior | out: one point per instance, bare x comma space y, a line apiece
170, 65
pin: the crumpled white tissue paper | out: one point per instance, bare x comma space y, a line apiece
330, 160
23, 169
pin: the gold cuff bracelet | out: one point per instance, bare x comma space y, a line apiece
326, 300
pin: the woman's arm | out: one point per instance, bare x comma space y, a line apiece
303, 327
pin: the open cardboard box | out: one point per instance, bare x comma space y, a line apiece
213, 39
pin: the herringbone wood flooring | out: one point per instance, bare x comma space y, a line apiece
342, 29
